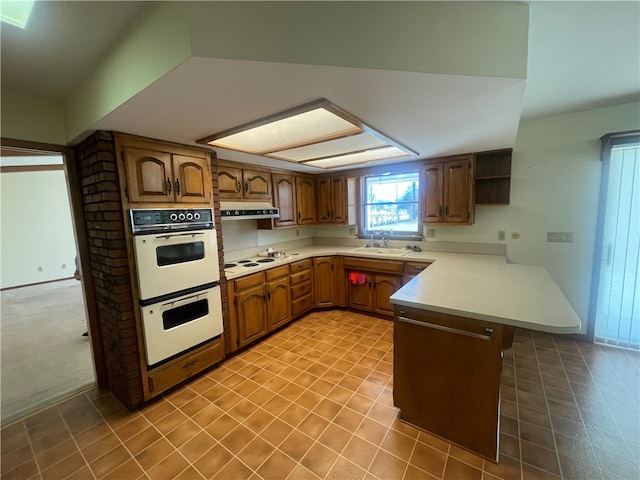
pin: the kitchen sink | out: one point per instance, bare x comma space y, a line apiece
385, 252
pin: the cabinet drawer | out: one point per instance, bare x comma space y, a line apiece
414, 268
373, 265
277, 272
301, 305
300, 265
248, 281
301, 290
299, 277
177, 372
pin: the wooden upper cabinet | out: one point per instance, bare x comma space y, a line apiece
433, 179
192, 183
237, 183
305, 200
156, 176
331, 199
256, 184
230, 182
448, 194
284, 198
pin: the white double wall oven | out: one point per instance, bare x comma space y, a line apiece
178, 274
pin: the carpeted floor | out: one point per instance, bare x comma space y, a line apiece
44, 357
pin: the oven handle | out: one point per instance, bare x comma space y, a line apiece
182, 300
190, 234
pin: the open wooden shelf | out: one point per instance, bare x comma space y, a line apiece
492, 177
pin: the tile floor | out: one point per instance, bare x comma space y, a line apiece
315, 401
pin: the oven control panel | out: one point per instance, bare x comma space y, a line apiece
153, 220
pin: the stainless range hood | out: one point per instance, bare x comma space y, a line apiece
247, 210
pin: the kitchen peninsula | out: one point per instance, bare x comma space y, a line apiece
452, 323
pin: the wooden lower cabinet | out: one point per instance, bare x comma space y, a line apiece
251, 314
324, 281
278, 297
370, 283
446, 376
171, 374
301, 281
413, 269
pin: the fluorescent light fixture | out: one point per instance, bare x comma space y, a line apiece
16, 12
318, 133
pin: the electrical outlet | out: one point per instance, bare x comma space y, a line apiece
501, 234
560, 237
64, 265
297, 233
40, 269
431, 233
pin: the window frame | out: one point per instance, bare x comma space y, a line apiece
416, 235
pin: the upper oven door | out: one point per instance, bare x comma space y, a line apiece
171, 262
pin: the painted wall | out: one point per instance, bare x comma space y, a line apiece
26, 117
45, 241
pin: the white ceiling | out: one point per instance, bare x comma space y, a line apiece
581, 55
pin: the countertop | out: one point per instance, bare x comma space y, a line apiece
480, 286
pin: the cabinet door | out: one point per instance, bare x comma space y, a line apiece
324, 203
251, 311
432, 176
149, 177
284, 198
457, 190
192, 182
305, 198
383, 287
279, 302
324, 281
339, 197
359, 295
256, 184
230, 182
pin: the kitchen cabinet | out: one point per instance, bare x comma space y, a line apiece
162, 173
284, 198
238, 183
331, 199
377, 281
446, 376
324, 281
249, 308
448, 193
278, 297
412, 269
258, 304
305, 200
492, 177
301, 280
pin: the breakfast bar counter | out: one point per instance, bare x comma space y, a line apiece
452, 323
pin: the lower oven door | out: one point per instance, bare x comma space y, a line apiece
171, 262
174, 326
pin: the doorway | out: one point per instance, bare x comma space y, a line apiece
45, 356
617, 308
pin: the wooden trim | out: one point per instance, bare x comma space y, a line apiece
74, 192
30, 168
36, 283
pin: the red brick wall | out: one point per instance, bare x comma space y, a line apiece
102, 206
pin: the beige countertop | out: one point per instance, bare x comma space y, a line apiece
479, 286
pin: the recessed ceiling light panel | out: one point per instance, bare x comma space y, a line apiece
312, 133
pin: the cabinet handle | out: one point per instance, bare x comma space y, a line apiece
298, 215
440, 211
419, 268
268, 295
237, 186
177, 186
168, 185
444, 328
246, 187
190, 364
446, 211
